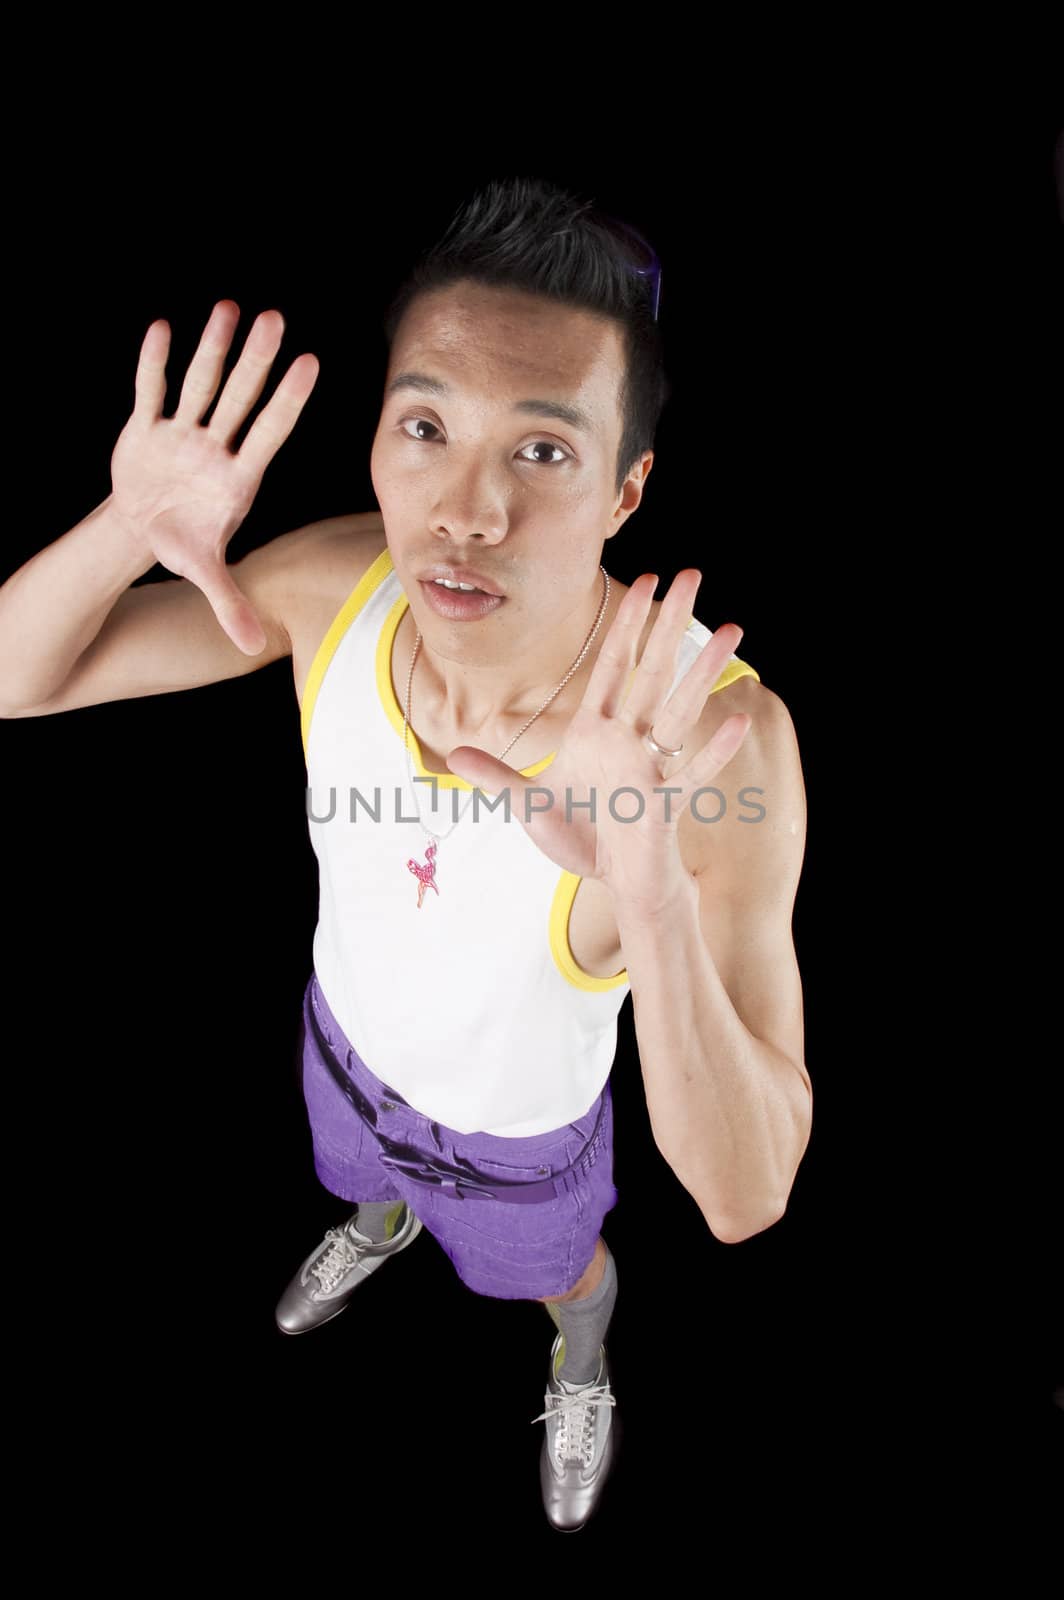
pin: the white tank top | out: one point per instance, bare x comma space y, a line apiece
472, 1007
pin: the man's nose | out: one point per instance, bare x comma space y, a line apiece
471, 508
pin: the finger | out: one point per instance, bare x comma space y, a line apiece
273, 424
671, 722
616, 659
711, 760
149, 385
235, 613
248, 378
205, 369
657, 665
484, 771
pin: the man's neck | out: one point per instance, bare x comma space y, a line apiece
471, 701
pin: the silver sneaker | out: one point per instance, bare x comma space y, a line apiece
334, 1270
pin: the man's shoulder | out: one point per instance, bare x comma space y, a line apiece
354, 537
310, 571
761, 783
331, 543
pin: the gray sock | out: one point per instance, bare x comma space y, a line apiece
583, 1324
379, 1219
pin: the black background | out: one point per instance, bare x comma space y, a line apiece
162, 893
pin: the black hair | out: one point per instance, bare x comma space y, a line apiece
531, 234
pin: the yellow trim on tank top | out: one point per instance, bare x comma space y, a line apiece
394, 711
371, 580
561, 950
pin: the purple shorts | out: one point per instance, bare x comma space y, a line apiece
519, 1218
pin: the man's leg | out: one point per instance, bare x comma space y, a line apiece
583, 1315
590, 1280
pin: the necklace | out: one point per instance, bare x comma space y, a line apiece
425, 871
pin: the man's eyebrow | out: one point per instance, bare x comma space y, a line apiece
560, 409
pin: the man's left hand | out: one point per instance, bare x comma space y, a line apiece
604, 751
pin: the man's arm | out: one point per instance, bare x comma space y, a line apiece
76, 631
160, 638
716, 988
73, 630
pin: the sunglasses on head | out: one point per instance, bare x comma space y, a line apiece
646, 263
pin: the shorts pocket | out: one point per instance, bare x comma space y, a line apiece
545, 1160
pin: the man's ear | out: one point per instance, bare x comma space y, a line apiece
632, 492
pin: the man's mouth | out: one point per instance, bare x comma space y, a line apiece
464, 580
465, 588
459, 603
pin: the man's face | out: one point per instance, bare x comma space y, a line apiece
525, 499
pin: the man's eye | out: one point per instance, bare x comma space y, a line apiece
419, 422
423, 422
549, 445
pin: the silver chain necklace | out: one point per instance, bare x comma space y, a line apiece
425, 871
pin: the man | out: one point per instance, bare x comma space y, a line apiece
470, 959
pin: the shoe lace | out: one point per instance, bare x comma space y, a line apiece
574, 1440
341, 1255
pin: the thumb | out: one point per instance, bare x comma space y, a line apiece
236, 615
484, 771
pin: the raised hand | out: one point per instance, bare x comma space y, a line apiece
178, 484
603, 751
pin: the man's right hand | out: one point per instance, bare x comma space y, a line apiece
177, 484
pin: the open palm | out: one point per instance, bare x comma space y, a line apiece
179, 485
630, 840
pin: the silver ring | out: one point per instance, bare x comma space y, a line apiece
660, 748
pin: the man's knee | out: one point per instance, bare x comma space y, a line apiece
580, 1287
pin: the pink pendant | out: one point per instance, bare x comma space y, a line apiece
425, 873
